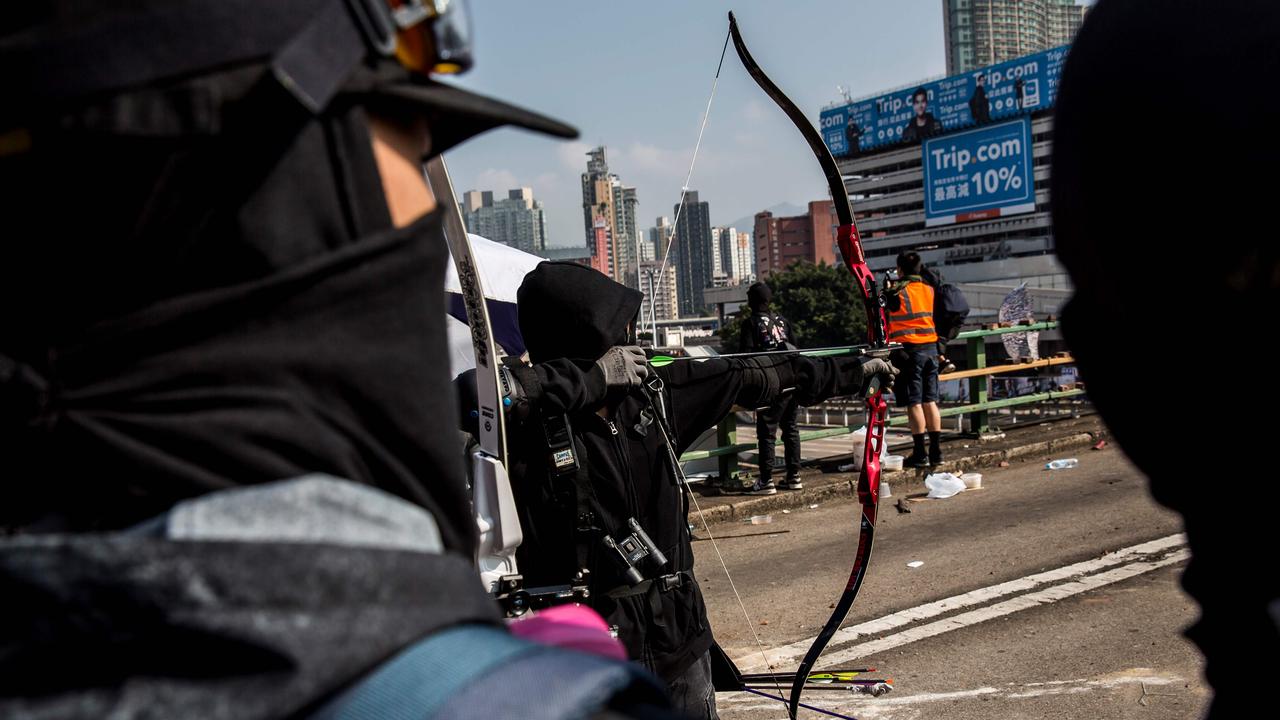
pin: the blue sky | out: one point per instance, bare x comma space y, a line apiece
635, 77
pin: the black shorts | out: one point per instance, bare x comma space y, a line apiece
918, 381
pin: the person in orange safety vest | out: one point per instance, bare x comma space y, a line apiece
910, 305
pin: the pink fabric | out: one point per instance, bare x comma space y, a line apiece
575, 627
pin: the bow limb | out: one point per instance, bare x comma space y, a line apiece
492, 498
855, 260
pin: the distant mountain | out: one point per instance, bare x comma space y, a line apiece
748, 223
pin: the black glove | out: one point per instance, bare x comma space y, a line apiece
624, 366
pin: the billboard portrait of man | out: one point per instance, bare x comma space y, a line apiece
923, 124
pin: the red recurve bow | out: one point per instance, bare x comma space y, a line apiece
851, 252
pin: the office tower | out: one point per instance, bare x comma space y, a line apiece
660, 235
781, 241
692, 253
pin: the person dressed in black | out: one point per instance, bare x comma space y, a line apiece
762, 331
595, 434
947, 327
1227, 261
853, 135
231, 483
923, 124
979, 107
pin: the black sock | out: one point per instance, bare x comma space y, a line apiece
934, 436
919, 441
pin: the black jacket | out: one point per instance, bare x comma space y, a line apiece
911, 132
624, 453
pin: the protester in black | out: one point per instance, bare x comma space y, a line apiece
948, 328
762, 331
628, 423
1108, 188
231, 482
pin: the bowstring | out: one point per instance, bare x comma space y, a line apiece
684, 190
684, 482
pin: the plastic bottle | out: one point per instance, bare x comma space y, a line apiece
1062, 464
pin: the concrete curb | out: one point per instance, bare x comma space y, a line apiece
900, 481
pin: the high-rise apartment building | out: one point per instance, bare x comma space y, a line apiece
518, 220
660, 236
599, 245
984, 32
604, 196
646, 249
627, 245
692, 254
717, 263
735, 257
661, 300
742, 257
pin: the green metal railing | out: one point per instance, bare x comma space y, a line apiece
978, 411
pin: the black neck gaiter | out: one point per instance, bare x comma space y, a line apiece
324, 367
229, 329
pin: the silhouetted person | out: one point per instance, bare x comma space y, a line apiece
1213, 218
764, 331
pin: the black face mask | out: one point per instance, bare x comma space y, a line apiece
289, 333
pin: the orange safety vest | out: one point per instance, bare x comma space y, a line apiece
912, 322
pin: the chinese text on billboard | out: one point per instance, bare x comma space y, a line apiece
981, 173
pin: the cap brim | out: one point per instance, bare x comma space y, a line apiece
456, 115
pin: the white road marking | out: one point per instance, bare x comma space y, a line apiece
869, 708
790, 655
1008, 607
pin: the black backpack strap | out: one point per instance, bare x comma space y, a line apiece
565, 463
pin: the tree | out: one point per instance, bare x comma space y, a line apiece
824, 307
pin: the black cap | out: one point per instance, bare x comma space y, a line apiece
55, 55
455, 114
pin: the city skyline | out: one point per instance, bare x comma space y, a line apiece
644, 101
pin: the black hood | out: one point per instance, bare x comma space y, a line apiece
758, 296
572, 311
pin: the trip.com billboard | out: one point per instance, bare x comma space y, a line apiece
976, 174
1024, 85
